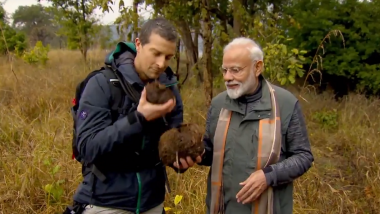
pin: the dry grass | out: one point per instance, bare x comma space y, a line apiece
35, 145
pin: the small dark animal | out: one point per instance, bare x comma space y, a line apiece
186, 140
158, 93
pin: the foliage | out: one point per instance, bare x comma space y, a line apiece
305, 21
10, 39
129, 22
357, 58
77, 22
37, 23
281, 64
3, 15
38, 55
328, 119
54, 191
14, 41
103, 39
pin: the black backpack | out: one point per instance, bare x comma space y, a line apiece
119, 88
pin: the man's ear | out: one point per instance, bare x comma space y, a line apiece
137, 44
259, 68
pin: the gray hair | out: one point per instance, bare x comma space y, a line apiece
252, 47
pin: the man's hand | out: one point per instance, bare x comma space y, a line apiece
153, 111
253, 187
184, 164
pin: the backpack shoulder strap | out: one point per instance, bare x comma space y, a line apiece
119, 88
80, 88
116, 91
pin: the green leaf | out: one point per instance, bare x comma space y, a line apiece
224, 36
203, 12
47, 188
284, 49
291, 79
300, 72
55, 169
46, 162
59, 182
283, 81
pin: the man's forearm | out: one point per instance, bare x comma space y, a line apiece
298, 151
207, 142
207, 156
289, 169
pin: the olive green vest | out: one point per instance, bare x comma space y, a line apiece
244, 144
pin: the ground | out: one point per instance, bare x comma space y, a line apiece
39, 176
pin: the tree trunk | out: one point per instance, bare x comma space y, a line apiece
190, 48
195, 42
178, 58
135, 19
207, 46
85, 43
237, 6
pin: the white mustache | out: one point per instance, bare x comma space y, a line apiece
232, 83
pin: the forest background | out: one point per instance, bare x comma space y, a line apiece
326, 52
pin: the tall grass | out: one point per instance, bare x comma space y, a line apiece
38, 175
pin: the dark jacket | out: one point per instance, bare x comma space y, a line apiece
126, 152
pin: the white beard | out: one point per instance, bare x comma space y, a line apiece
243, 87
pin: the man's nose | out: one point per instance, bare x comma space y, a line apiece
227, 76
160, 61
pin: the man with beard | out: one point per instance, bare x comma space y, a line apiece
256, 139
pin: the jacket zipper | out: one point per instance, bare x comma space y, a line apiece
139, 183
138, 174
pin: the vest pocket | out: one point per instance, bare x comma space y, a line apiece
254, 144
252, 162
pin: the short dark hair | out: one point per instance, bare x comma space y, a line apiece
160, 26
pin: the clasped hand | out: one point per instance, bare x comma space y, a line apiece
153, 111
188, 162
252, 188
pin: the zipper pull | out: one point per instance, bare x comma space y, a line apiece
165, 121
